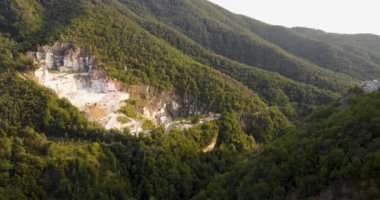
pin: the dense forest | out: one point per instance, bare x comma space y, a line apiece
216, 31
291, 125
334, 155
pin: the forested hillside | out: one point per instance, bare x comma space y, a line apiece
293, 98
48, 150
153, 62
262, 80
214, 29
335, 155
339, 53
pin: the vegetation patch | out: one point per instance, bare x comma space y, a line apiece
147, 125
123, 119
130, 111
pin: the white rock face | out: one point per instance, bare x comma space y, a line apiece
70, 72
371, 86
65, 57
97, 97
89, 90
175, 105
157, 115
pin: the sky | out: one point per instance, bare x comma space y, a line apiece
338, 16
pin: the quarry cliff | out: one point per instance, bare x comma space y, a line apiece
73, 73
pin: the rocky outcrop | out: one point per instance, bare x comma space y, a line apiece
371, 86
161, 106
65, 57
91, 92
95, 81
71, 72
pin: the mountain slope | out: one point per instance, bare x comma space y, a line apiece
293, 98
152, 62
208, 26
159, 65
325, 53
290, 95
206, 56
354, 55
49, 150
363, 41
334, 155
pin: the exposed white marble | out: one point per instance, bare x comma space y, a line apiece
371, 86
70, 72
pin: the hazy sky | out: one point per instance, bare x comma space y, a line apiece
340, 16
